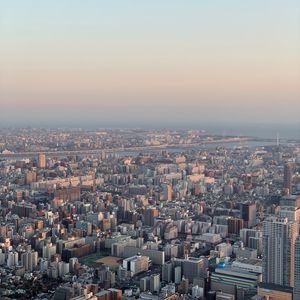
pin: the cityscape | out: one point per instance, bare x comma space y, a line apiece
149, 150
154, 214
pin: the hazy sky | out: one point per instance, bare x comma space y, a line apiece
71, 62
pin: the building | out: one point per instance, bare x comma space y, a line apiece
210, 238
279, 237
291, 200
71, 194
167, 272
275, 292
115, 294
157, 257
288, 177
64, 293
211, 295
246, 235
246, 253
240, 280
145, 284
296, 292
177, 274
155, 283
12, 259
235, 225
136, 264
42, 161
48, 251
248, 214
149, 215
224, 249
102, 295
290, 212
24, 209
183, 287
30, 177
192, 267
29, 260
224, 296
167, 192
171, 232
197, 291
78, 251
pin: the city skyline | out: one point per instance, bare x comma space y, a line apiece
132, 63
149, 150
127, 214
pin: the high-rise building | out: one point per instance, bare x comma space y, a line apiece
167, 192
116, 294
48, 251
291, 200
150, 214
252, 238
296, 292
167, 271
12, 259
288, 177
30, 177
235, 225
24, 209
248, 214
279, 237
292, 213
177, 274
145, 284
155, 283
29, 260
42, 161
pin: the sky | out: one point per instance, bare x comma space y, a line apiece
149, 63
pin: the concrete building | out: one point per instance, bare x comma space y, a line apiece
155, 283
224, 296
224, 249
235, 225
236, 281
167, 272
192, 267
29, 260
167, 192
145, 284
288, 178
296, 292
42, 161
149, 215
290, 212
279, 237
177, 274
197, 291
248, 214
275, 292
136, 264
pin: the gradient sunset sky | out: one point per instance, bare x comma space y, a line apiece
143, 62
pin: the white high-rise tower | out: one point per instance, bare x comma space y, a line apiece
279, 237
